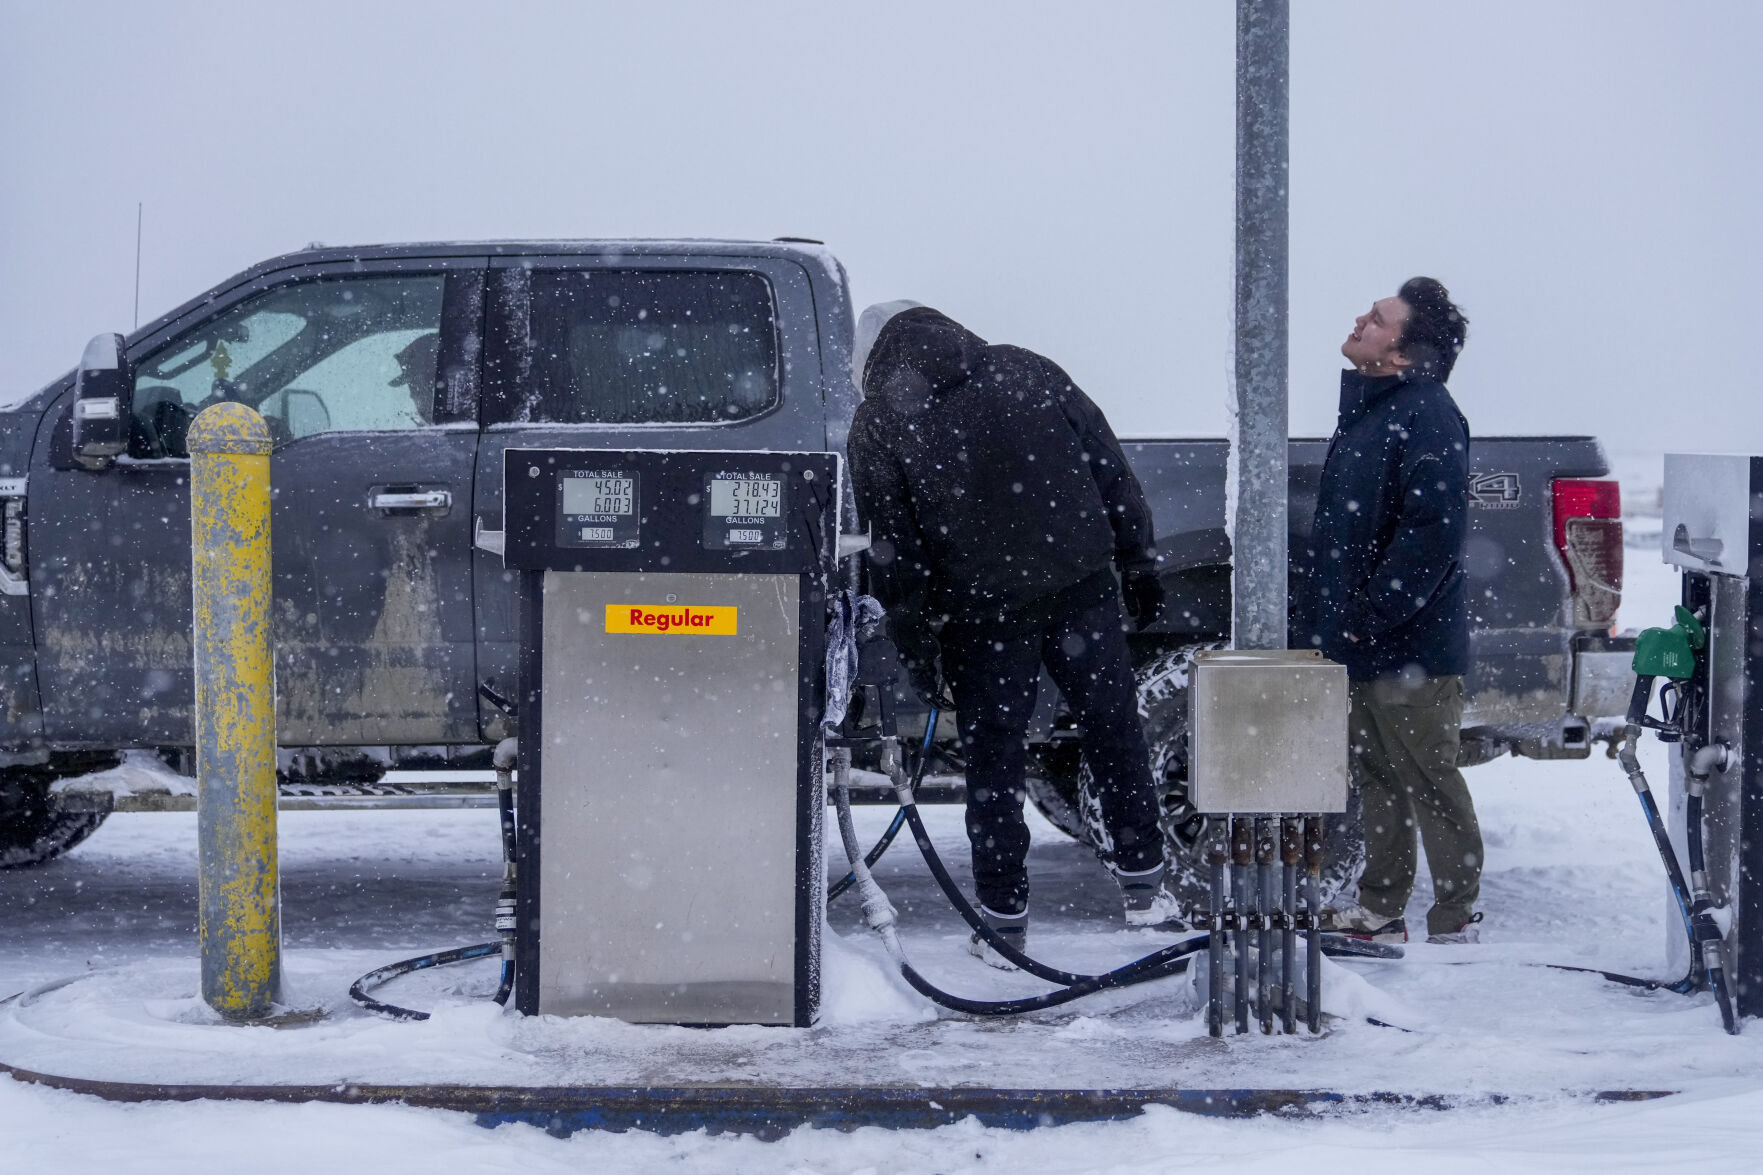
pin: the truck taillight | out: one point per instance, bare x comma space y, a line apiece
1588, 533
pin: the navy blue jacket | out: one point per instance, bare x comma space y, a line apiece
1386, 552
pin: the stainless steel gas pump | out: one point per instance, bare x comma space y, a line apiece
670, 797
1713, 532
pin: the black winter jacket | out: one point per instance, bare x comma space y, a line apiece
987, 478
1386, 551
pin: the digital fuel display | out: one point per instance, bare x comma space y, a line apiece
746, 497
597, 508
596, 494
744, 510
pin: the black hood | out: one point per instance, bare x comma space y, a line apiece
919, 353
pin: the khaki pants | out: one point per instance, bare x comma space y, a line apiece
1403, 747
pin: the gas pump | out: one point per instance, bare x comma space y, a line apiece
1713, 532
670, 798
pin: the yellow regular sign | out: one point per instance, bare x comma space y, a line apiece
673, 619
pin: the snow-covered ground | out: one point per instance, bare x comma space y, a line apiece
1571, 877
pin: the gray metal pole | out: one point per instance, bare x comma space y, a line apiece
1258, 451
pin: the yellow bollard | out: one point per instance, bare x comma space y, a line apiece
240, 884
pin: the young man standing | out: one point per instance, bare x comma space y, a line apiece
1385, 597
1000, 507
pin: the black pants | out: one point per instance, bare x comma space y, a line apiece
994, 667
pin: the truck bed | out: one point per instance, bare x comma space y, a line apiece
1521, 635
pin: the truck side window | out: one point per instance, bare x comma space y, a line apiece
604, 346
329, 355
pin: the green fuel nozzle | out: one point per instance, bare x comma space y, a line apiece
1669, 653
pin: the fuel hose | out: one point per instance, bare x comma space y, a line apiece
504, 945
925, 752
880, 915
1694, 911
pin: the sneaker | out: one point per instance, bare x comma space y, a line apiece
1012, 928
1147, 902
1466, 933
1356, 921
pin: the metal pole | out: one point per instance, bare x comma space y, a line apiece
1313, 924
1242, 876
1258, 452
1290, 853
238, 882
1217, 853
1266, 901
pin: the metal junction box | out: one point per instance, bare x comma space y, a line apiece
1714, 532
1268, 732
670, 795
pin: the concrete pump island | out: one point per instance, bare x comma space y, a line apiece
665, 953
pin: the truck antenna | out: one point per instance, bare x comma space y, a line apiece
138, 265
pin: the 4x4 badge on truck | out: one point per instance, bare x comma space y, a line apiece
1496, 491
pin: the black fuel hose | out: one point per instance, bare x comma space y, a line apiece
1705, 934
504, 946
1698, 920
1685, 986
925, 753
380, 975
1174, 962
838, 888
972, 917
952, 891
1680, 891
879, 912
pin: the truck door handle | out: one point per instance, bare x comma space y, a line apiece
411, 499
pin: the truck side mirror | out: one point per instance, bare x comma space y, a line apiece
103, 402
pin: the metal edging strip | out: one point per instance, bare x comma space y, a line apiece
776, 1110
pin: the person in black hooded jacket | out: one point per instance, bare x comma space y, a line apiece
1000, 508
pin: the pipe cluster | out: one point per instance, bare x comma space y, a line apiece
1254, 919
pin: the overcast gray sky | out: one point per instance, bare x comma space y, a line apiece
1584, 174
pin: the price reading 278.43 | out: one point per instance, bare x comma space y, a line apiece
746, 497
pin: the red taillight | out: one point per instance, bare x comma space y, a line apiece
1588, 533
1581, 498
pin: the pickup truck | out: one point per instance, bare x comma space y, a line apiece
393, 378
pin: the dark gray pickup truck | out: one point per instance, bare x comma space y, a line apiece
393, 378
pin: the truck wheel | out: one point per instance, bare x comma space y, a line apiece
1059, 785
32, 831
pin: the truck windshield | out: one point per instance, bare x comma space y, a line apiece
344, 354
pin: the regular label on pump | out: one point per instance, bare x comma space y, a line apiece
673, 619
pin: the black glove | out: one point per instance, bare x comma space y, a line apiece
916, 642
1145, 598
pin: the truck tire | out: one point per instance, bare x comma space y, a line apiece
32, 830
1059, 784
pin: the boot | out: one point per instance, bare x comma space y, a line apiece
1012, 928
1147, 902
1355, 921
